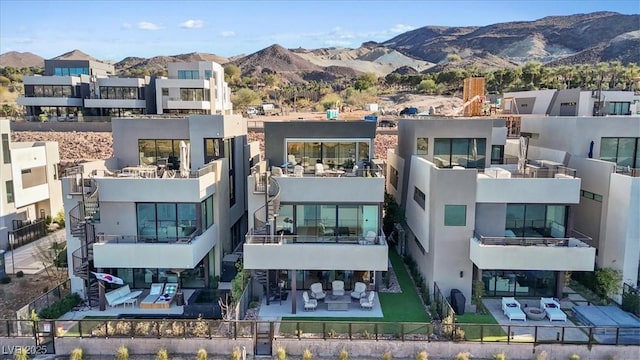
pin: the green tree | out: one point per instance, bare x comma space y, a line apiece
608, 282
453, 58
429, 86
366, 81
244, 97
231, 73
330, 100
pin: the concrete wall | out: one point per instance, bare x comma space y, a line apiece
564, 96
397, 163
156, 190
419, 219
528, 190
538, 101
357, 190
623, 227
490, 219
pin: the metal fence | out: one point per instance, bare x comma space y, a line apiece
630, 299
45, 300
27, 233
440, 305
322, 330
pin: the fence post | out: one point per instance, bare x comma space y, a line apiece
535, 335
235, 330
80, 328
590, 336
298, 329
508, 334
350, 330
562, 338
617, 334
481, 333
324, 330
402, 332
376, 330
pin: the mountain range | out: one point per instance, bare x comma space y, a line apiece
554, 40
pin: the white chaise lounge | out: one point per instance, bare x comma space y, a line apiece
512, 309
552, 308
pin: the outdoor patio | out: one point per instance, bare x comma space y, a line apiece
526, 332
275, 310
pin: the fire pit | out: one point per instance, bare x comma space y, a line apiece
535, 313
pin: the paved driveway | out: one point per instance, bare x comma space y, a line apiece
24, 256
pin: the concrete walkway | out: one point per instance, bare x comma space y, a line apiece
24, 256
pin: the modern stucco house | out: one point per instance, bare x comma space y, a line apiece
166, 207
30, 183
315, 207
470, 216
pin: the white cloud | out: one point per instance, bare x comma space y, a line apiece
226, 34
145, 25
400, 28
192, 24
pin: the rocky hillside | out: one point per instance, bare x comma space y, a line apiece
583, 37
277, 59
159, 63
21, 59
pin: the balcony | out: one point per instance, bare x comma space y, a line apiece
532, 253
556, 184
152, 184
178, 104
315, 252
131, 251
50, 101
115, 103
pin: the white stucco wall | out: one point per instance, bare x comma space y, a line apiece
418, 219
397, 163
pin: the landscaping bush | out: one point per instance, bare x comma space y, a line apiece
387, 355
122, 353
60, 307
426, 296
162, 355
422, 355
5, 280
21, 354
20, 274
500, 356
281, 353
76, 354
307, 354
542, 356
214, 282
574, 357
59, 219
202, 355
344, 355
236, 354
463, 356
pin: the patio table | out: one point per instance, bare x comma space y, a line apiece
337, 303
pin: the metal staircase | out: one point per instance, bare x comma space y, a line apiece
81, 219
266, 184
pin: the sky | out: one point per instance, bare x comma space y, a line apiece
113, 30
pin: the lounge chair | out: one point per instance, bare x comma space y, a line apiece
367, 302
317, 292
359, 291
512, 309
552, 308
309, 304
154, 293
337, 288
169, 293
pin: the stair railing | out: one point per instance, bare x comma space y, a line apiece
262, 215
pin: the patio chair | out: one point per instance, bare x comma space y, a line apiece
309, 304
359, 291
154, 293
552, 308
337, 288
512, 309
317, 292
319, 170
367, 302
298, 171
276, 171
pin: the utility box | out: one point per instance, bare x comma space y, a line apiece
3, 270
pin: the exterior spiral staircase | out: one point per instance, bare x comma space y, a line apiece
263, 217
81, 219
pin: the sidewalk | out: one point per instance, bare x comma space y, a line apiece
24, 256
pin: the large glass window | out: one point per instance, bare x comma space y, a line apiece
519, 283
71, 71
469, 153
336, 154
188, 74
115, 92
151, 149
328, 220
622, 151
9, 188
393, 177
213, 150
419, 197
497, 154
207, 212
48, 91
229, 151
197, 94
455, 215
166, 221
536, 220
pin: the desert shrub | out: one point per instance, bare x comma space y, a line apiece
59, 219
344, 355
202, 355
214, 282
574, 357
60, 307
281, 353
76, 354
20, 274
5, 280
307, 354
463, 356
21, 354
122, 353
162, 355
542, 356
500, 356
387, 355
236, 354
422, 355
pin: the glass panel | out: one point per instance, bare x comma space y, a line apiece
143, 278
608, 149
146, 214
147, 150
556, 221
497, 154
370, 216
348, 221
626, 151
459, 152
328, 219
167, 225
187, 219
455, 215
296, 149
441, 153
312, 151
330, 154
363, 151
515, 219
307, 220
534, 220
284, 220
209, 203
348, 154
165, 148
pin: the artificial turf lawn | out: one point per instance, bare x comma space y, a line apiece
489, 333
405, 307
